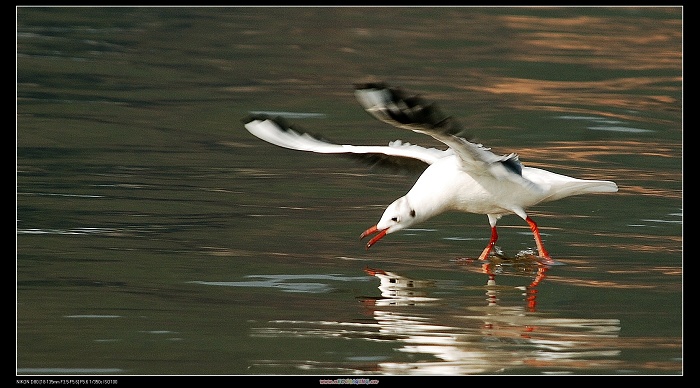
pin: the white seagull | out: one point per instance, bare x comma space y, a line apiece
466, 177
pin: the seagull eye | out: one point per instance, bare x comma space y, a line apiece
395, 219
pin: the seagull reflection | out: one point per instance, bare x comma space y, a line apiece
398, 290
443, 327
490, 338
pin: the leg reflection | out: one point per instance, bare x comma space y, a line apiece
496, 266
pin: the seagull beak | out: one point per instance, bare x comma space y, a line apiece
379, 236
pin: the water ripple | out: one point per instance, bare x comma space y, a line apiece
64, 195
74, 231
78, 371
288, 283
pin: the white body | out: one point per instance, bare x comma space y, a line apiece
485, 194
446, 186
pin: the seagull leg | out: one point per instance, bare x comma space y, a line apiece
492, 242
538, 240
494, 237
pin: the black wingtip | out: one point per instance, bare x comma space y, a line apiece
279, 120
255, 116
283, 125
371, 85
397, 93
418, 111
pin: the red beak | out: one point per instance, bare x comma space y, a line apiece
379, 236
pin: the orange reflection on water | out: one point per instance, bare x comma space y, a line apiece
593, 151
677, 194
608, 93
669, 244
598, 283
648, 43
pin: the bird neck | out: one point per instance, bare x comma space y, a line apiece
433, 193
426, 204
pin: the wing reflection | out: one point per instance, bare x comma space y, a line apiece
439, 333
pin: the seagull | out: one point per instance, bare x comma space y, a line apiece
465, 177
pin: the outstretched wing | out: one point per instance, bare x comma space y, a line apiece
277, 131
396, 107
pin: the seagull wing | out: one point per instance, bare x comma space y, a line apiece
394, 106
277, 131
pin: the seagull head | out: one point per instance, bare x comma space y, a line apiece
397, 216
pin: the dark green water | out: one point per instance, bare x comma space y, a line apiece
155, 236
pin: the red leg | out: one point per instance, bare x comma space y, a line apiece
538, 240
492, 242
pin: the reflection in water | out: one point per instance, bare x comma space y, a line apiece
524, 263
400, 291
505, 337
487, 338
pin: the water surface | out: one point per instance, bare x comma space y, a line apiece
155, 236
